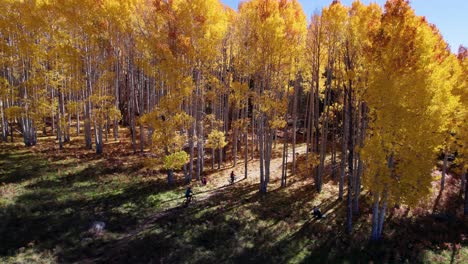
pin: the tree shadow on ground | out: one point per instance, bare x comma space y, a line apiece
90, 173
19, 170
236, 224
55, 212
43, 218
229, 224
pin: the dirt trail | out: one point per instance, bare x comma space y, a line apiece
217, 181
220, 179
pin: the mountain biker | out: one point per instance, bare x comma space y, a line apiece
317, 213
233, 177
204, 181
188, 194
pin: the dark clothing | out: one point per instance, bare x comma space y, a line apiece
233, 177
203, 181
317, 213
188, 193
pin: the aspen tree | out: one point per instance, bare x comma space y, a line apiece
315, 60
271, 43
405, 111
461, 123
333, 21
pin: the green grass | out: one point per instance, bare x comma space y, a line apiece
48, 203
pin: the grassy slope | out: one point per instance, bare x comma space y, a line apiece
49, 199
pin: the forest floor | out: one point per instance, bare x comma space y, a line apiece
49, 200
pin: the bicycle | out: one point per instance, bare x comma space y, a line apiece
186, 202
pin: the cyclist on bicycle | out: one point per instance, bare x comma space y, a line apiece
204, 181
188, 194
316, 212
233, 177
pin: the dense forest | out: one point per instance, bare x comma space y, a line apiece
373, 93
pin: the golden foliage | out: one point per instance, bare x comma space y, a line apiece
216, 139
